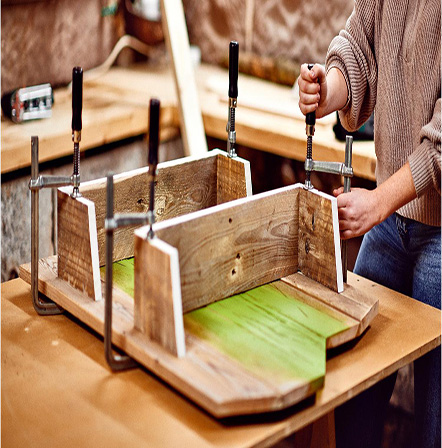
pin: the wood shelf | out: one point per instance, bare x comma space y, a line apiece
116, 107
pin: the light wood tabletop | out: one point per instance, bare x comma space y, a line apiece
57, 389
115, 106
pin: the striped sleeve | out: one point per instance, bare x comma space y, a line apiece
352, 52
425, 160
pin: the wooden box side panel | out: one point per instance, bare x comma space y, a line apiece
182, 187
234, 179
235, 246
158, 311
77, 244
319, 252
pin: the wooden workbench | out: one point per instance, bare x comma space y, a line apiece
58, 391
115, 107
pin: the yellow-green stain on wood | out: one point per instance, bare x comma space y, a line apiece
123, 275
270, 333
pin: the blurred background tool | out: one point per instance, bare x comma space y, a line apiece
28, 103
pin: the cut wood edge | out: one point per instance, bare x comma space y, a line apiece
361, 311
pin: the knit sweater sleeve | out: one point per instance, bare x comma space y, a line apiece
425, 160
352, 52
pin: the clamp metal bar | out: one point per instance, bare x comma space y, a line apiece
43, 308
347, 186
50, 181
116, 362
328, 167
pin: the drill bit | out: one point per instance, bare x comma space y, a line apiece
233, 95
77, 104
154, 126
310, 121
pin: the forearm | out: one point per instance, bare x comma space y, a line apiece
337, 92
395, 192
360, 209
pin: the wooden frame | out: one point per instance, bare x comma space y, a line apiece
198, 258
183, 186
232, 248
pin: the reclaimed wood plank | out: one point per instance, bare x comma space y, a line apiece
158, 307
177, 40
77, 248
319, 252
233, 247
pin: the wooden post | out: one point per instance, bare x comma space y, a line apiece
177, 39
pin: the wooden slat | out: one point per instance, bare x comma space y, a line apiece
77, 244
319, 253
158, 310
233, 179
180, 188
233, 247
175, 32
358, 305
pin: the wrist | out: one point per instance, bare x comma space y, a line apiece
381, 205
337, 93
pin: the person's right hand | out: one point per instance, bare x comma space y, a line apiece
313, 90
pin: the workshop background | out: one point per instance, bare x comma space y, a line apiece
275, 37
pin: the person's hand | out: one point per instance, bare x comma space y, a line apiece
358, 210
312, 90
321, 93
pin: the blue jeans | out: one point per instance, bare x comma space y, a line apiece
403, 255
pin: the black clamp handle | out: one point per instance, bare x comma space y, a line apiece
154, 131
77, 98
310, 118
233, 69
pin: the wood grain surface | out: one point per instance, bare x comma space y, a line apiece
77, 243
233, 247
183, 186
158, 308
319, 251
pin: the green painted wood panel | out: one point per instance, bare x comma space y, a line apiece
275, 335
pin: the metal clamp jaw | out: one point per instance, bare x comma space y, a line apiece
342, 169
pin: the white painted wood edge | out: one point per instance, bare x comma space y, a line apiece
336, 237
145, 169
177, 303
248, 177
142, 231
93, 238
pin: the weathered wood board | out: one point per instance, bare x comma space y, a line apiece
183, 186
218, 373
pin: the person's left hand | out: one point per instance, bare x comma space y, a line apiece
358, 211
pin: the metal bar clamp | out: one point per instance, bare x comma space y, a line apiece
113, 222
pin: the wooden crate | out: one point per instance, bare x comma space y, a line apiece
234, 303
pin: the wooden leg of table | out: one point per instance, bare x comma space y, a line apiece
320, 434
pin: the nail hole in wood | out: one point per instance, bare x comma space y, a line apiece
307, 246
238, 256
313, 221
230, 220
233, 271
